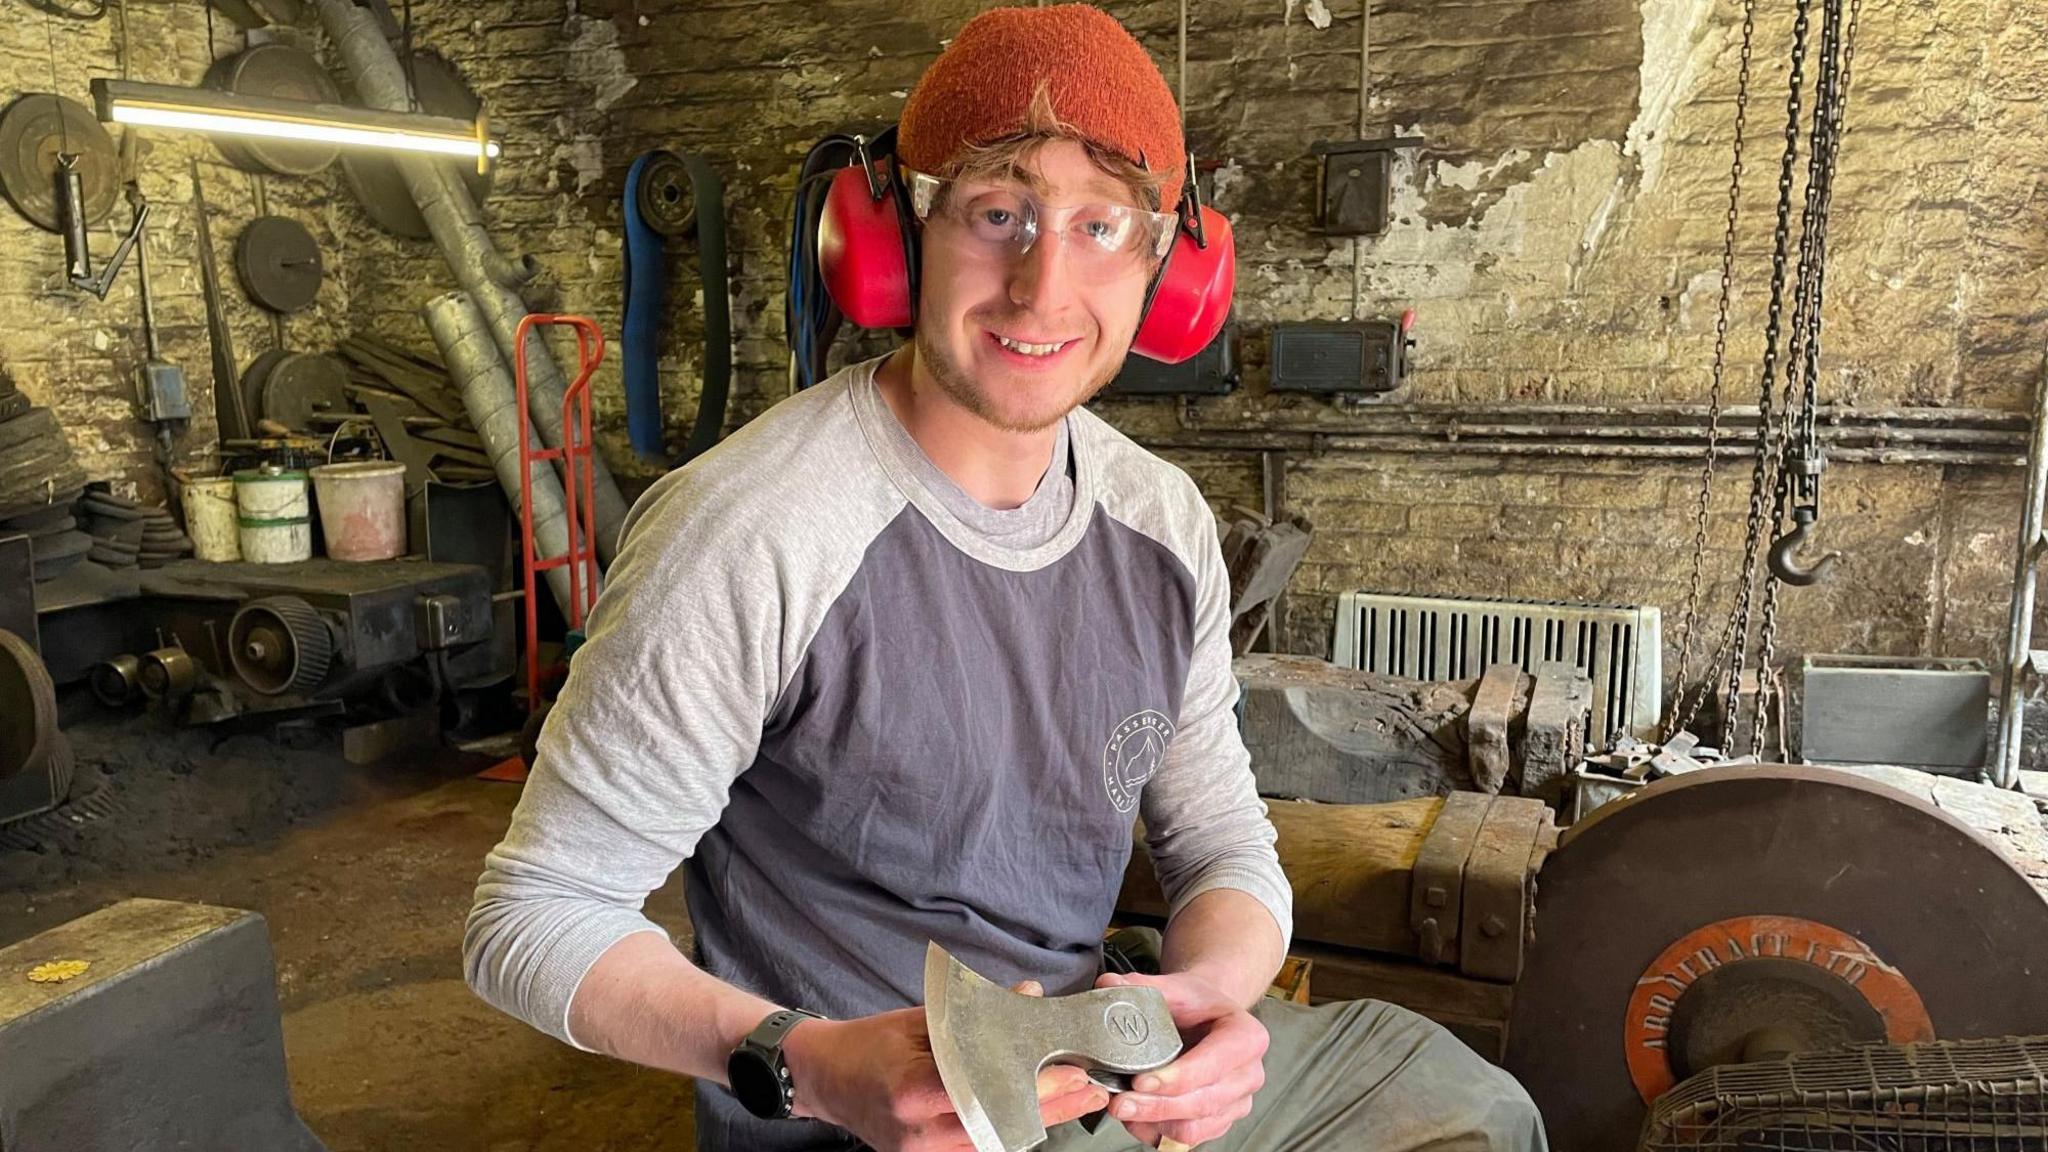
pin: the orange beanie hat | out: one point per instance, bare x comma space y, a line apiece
1100, 80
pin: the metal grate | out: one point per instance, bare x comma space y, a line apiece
1620, 649
1944, 1096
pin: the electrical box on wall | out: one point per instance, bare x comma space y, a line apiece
1355, 183
1354, 358
1211, 372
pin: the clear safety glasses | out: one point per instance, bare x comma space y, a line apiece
1001, 222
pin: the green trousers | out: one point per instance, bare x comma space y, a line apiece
1361, 1076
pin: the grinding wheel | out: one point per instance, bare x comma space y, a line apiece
374, 176
303, 385
254, 377
278, 262
33, 130
29, 701
668, 202
1737, 913
286, 73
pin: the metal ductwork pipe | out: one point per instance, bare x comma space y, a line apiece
489, 394
481, 270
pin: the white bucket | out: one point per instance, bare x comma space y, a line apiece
362, 509
275, 516
210, 518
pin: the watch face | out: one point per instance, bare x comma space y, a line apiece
756, 1084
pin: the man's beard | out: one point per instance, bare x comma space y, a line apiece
962, 388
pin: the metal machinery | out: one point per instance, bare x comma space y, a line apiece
1743, 924
1754, 957
214, 641
35, 756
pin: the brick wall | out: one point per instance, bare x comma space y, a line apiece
1559, 238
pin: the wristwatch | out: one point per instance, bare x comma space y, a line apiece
756, 1071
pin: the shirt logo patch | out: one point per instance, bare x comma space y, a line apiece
1133, 755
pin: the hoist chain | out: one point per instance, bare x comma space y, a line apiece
1684, 712
1763, 471
1801, 462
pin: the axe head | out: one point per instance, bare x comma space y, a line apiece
990, 1044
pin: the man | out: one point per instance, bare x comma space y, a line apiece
903, 659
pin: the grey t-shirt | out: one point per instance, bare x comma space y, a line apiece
863, 717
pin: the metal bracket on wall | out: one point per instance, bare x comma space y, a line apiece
1354, 184
71, 209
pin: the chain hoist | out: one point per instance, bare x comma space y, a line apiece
1785, 474
1686, 702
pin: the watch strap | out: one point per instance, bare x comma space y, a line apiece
765, 1043
767, 1035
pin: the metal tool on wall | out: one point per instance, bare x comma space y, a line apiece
60, 169
162, 392
35, 130
77, 244
670, 194
278, 262
228, 407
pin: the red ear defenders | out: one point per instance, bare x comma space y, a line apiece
867, 251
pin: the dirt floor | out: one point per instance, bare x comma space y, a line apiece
364, 876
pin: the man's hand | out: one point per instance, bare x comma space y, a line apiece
1210, 1086
875, 1078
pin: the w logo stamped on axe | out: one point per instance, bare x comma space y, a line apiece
990, 1044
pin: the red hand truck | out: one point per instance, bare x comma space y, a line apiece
578, 487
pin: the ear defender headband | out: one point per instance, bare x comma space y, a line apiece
868, 253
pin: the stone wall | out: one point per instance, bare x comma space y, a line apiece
81, 356
1558, 236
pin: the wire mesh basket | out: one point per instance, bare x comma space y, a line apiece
1942, 1096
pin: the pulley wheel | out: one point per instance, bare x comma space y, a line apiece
167, 673
304, 385
286, 73
279, 644
1741, 913
33, 130
254, 377
29, 701
440, 91
117, 681
278, 262
667, 201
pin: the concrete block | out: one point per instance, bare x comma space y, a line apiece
168, 1039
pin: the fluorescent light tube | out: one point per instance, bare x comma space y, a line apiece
200, 110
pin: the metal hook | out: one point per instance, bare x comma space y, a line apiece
1785, 567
